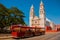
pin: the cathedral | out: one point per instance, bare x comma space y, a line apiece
41, 21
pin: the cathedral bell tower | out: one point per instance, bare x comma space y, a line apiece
31, 14
42, 15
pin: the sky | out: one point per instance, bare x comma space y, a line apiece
52, 8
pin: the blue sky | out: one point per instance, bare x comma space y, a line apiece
52, 8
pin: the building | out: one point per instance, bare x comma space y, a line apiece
40, 21
58, 27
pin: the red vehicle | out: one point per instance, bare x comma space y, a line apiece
24, 31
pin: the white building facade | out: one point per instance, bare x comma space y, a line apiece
40, 21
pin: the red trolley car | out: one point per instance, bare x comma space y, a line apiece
24, 31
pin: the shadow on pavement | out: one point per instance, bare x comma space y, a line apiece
17, 39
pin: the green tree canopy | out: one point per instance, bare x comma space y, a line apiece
10, 16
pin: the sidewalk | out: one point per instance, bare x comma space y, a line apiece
5, 37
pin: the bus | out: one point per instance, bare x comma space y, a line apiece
18, 31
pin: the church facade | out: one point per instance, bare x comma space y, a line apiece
40, 21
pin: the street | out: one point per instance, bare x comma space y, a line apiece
47, 36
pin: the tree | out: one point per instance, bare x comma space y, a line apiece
3, 16
18, 16
10, 16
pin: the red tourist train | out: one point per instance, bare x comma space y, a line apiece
24, 31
